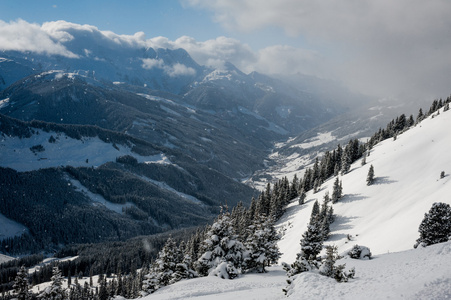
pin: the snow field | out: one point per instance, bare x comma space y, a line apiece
15, 153
384, 217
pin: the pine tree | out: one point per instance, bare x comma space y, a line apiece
184, 267
436, 225
370, 177
262, 245
103, 294
345, 162
337, 192
69, 279
315, 212
221, 254
329, 269
55, 291
364, 159
150, 282
316, 185
165, 264
21, 286
312, 240
302, 196
325, 216
420, 116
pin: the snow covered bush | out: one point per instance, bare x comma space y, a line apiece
300, 265
329, 269
360, 252
326, 267
436, 225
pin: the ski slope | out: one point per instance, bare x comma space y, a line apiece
384, 217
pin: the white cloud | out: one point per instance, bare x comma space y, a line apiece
213, 53
150, 63
290, 60
179, 70
174, 70
22, 36
378, 46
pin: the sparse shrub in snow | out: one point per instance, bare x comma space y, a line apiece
436, 225
329, 269
300, 265
225, 270
360, 252
127, 159
37, 148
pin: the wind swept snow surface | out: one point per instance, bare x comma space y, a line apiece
384, 216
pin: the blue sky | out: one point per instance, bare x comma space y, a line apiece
168, 18
158, 17
380, 47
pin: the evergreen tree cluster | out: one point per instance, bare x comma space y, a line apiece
402, 123
244, 240
312, 244
332, 163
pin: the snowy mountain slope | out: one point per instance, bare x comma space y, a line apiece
299, 152
81, 169
384, 217
10, 228
18, 154
5, 258
413, 274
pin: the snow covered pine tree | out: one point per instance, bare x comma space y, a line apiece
21, 286
370, 177
436, 225
221, 254
262, 244
55, 291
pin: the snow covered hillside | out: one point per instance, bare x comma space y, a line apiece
384, 217
53, 149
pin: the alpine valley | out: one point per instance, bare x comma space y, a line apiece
111, 149
136, 140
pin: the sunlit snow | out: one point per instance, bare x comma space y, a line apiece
384, 217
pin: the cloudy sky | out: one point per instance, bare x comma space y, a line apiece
387, 48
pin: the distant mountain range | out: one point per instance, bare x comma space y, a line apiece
213, 128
